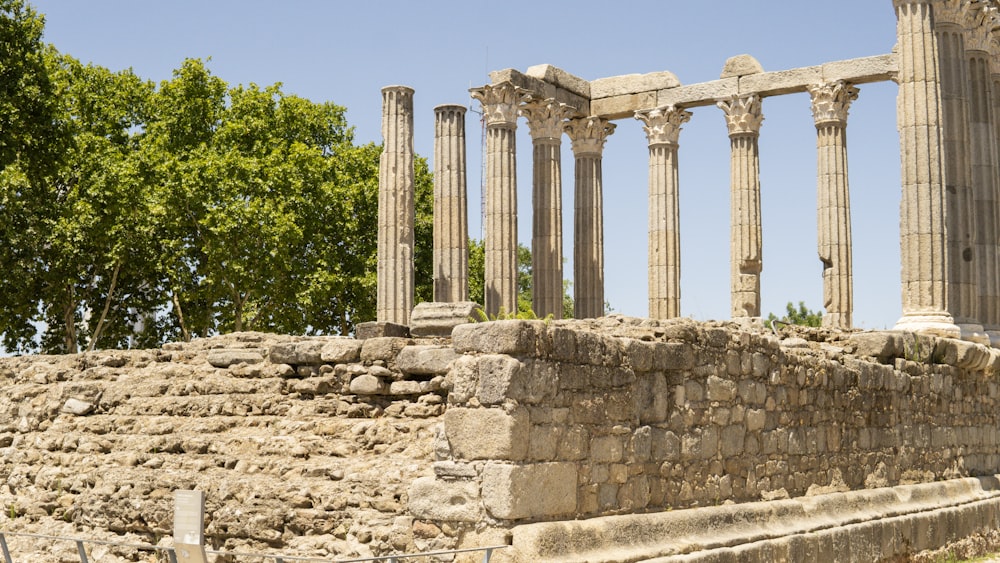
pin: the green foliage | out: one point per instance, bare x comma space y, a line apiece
136, 213
798, 316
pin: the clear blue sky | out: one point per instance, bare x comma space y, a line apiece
346, 52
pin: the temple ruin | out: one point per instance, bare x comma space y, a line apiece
948, 115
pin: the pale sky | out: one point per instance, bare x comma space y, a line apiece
345, 52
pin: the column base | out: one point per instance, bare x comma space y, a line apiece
994, 334
929, 322
973, 332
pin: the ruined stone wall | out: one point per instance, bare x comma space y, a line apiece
328, 446
302, 445
548, 422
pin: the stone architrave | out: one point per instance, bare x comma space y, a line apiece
984, 185
743, 118
663, 127
500, 105
923, 233
588, 135
830, 104
545, 121
451, 220
396, 208
963, 294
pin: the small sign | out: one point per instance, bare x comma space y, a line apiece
189, 517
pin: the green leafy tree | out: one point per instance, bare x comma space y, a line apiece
798, 316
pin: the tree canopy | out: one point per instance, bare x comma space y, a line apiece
137, 213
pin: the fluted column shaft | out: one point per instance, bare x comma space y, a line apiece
963, 295
588, 136
545, 121
991, 315
984, 170
923, 233
662, 127
500, 103
451, 220
743, 118
396, 211
830, 103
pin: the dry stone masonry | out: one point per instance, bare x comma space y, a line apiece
567, 440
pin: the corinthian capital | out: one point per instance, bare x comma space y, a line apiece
831, 101
546, 117
588, 134
663, 125
500, 102
743, 114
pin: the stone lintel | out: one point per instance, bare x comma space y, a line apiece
632, 84
879, 68
542, 89
561, 78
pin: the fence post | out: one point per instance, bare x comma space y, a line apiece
82, 551
486, 556
6, 552
189, 527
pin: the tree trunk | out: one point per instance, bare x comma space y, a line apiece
107, 305
69, 320
180, 317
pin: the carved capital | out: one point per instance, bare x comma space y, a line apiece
743, 114
831, 101
663, 125
500, 103
546, 117
588, 134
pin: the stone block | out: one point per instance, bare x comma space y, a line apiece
632, 84
373, 329
383, 348
781, 82
514, 337
230, 357
879, 345
340, 351
445, 500
430, 319
404, 388
624, 106
499, 378
367, 384
701, 94
673, 356
539, 490
484, 433
606, 449
559, 77
861, 70
425, 360
665, 445
740, 65
721, 390
638, 354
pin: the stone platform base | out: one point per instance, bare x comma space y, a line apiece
855, 526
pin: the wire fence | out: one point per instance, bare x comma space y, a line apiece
170, 555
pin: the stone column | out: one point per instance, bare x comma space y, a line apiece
451, 219
984, 186
663, 127
743, 118
923, 234
588, 135
963, 295
545, 121
991, 318
830, 103
396, 207
500, 103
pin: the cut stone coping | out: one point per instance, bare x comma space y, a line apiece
664, 535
